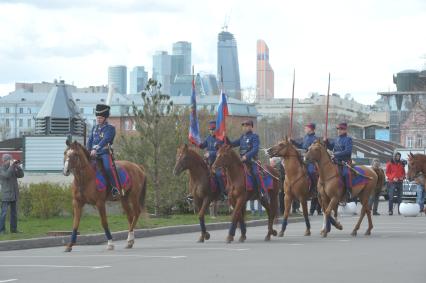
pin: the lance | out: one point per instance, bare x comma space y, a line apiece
266, 170
326, 111
292, 105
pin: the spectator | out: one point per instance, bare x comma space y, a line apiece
10, 171
395, 174
420, 199
253, 209
374, 198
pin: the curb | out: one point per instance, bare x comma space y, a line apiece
99, 238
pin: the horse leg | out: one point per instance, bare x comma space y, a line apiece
306, 215
327, 215
129, 213
358, 224
76, 222
136, 208
243, 226
100, 205
204, 234
235, 217
287, 205
364, 202
271, 217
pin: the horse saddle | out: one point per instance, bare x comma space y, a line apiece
352, 178
102, 183
266, 181
214, 185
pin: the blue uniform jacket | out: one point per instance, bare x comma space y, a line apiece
210, 144
101, 136
307, 141
249, 145
341, 147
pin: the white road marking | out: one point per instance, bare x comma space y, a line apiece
220, 249
55, 266
8, 280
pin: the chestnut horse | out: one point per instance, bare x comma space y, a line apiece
417, 169
199, 183
330, 189
238, 194
296, 183
77, 161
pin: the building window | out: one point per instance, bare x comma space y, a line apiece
409, 142
7, 111
21, 123
21, 110
29, 123
29, 110
419, 143
7, 122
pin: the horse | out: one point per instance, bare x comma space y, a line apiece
416, 166
199, 183
296, 183
329, 187
238, 195
84, 191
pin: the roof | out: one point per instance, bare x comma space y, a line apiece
58, 104
390, 93
15, 143
408, 71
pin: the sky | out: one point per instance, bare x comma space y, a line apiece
362, 43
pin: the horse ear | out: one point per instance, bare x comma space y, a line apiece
411, 154
286, 138
67, 142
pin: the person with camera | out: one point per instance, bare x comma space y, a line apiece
10, 171
395, 173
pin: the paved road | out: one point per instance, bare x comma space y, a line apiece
394, 253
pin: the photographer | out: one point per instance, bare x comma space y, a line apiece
10, 171
395, 173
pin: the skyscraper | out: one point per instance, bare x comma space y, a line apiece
117, 76
183, 48
227, 60
265, 74
138, 79
162, 70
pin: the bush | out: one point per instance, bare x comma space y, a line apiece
45, 200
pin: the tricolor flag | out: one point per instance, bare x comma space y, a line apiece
194, 128
222, 112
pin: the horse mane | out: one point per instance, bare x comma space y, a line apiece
298, 154
198, 158
86, 153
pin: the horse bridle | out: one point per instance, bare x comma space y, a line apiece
329, 178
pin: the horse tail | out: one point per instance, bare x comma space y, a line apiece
142, 196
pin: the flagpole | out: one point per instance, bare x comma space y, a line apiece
292, 105
327, 105
221, 83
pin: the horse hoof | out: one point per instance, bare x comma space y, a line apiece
267, 238
274, 233
353, 234
367, 233
130, 244
201, 239
281, 234
207, 236
307, 233
339, 226
68, 249
242, 238
110, 247
229, 239
324, 234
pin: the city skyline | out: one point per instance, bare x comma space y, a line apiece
355, 41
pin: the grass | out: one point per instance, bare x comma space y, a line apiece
36, 227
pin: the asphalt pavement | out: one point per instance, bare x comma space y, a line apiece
395, 252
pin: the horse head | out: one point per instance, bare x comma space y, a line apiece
182, 160
415, 166
225, 156
281, 149
74, 156
316, 151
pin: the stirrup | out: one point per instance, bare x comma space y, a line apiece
115, 192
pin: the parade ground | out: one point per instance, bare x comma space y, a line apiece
394, 253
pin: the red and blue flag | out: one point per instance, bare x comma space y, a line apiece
222, 112
194, 127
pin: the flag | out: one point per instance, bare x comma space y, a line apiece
194, 128
222, 112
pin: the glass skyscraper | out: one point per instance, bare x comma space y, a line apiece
227, 63
162, 70
117, 77
138, 79
265, 73
184, 48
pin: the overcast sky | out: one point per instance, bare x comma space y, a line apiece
361, 42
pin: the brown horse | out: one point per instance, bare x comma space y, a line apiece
238, 195
416, 166
199, 183
331, 192
77, 161
296, 184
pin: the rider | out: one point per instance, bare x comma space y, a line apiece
210, 144
342, 154
101, 136
309, 139
249, 147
